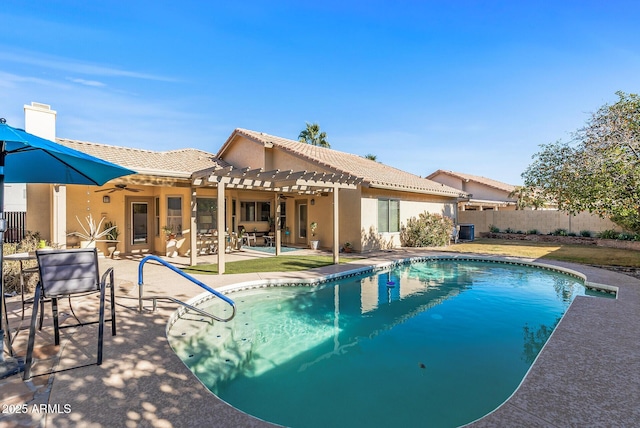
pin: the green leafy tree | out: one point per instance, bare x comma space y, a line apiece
527, 197
312, 135
599, 170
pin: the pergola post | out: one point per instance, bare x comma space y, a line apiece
336, 227
193, 235
222, 237
277, 223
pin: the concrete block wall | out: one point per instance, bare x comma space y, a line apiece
543, 221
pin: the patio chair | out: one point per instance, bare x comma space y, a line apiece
248, 237
70, 273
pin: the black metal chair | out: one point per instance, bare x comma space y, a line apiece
70, 273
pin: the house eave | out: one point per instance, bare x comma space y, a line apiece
416, 190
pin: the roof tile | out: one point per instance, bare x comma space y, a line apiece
373, 173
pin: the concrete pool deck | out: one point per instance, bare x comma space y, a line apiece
588, 373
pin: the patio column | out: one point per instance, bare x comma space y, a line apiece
193, 231
222, 238
336, 227
59, 217
277, 223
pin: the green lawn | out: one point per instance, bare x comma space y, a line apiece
267, 264
583, 254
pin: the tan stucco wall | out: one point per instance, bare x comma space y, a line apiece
411, 205
85, 200
480, 191
39, 209
246, 153
543, 221
477, 190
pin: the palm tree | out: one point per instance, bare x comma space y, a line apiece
371, 157
312, 135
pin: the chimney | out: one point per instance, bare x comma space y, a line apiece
40, 120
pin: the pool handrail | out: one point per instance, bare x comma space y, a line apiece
188, 277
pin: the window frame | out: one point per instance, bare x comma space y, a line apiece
174, 221
392, 205
258, 211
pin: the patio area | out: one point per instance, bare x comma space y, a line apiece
588, 374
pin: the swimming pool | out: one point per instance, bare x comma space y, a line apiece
436, 343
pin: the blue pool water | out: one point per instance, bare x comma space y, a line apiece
431, 344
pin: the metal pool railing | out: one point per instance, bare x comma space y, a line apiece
173, 299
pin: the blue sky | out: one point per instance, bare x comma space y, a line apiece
468, 86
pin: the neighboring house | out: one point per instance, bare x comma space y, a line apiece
15, 197
484, 193
266, 183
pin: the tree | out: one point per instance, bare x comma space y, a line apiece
527, 197
371, 157
599, 170
312, 135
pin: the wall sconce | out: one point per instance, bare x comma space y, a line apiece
106, 199
313, 201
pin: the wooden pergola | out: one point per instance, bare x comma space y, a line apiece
276, 181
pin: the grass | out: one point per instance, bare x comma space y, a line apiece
582, 254
266, 264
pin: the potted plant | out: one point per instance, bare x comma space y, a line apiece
240, 238
171, 249
91, 233
315, 243
112, 237
347, 247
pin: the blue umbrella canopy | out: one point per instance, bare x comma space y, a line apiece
27, 158
31, 159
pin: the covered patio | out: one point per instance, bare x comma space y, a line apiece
280, 183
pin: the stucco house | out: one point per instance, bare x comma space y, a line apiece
485, 194
266, 183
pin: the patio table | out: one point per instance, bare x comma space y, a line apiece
24, 271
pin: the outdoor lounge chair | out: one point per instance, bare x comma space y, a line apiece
70, 273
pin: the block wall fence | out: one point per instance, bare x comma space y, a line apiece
543, 221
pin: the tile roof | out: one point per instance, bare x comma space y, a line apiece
374, 174
476, 178
173, 163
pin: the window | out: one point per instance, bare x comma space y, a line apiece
156, 215
174, 214
206, 214
255, 211
283, 215
388, 215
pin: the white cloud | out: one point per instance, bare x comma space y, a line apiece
72, 65
85, 82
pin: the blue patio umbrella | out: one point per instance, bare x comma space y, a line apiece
26, 158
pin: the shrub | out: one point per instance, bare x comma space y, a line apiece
572, 234
625, 236
509, 230
532, 232
428, 230
585, 233
608, 234
11, 270
560, 232
494, 229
